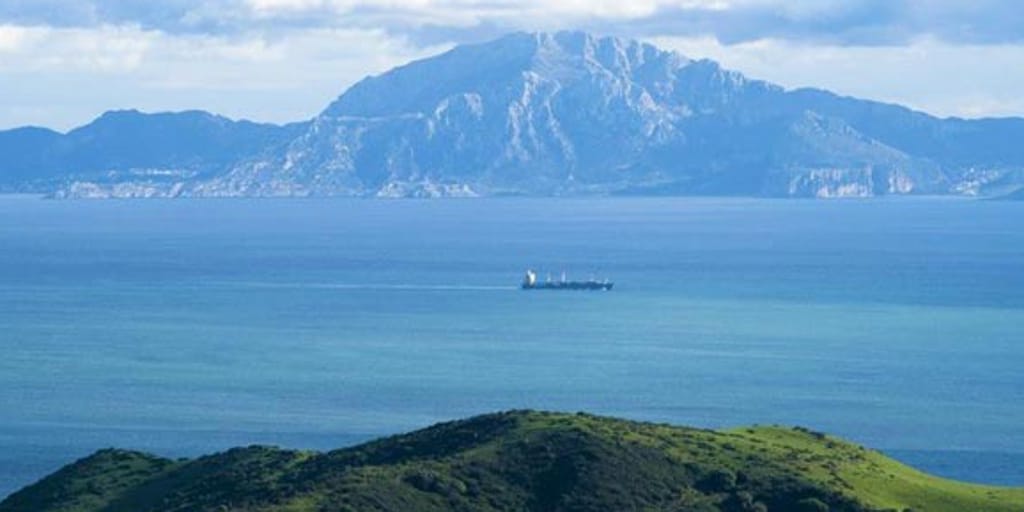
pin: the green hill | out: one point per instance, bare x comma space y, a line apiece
521, 460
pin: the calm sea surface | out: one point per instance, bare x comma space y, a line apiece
189, 326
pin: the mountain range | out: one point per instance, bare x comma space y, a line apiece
521, 460
542, 114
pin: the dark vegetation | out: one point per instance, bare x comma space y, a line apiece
517, 461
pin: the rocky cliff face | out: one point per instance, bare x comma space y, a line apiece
570, 114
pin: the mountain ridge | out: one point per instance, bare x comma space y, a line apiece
569, 113
521, 460
124, 145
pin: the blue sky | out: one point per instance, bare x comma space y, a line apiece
63, 62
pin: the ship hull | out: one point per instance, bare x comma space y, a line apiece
570, 285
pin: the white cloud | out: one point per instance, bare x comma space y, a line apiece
12, 37
525, 12
102, 49
283, 60
271, 5
64, 77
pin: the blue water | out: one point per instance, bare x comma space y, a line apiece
188, 326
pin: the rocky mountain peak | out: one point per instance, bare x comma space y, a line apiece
497, 68
543, 114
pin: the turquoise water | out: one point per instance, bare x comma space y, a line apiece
187, 326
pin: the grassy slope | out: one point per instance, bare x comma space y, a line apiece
877, 480
521, 461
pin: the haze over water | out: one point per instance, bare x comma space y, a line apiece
187, 326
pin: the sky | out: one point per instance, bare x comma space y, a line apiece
64, 62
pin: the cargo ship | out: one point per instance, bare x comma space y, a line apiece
530, 282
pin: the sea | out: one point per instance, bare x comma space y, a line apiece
184, 327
